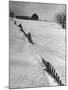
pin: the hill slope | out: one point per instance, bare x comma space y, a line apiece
25, 69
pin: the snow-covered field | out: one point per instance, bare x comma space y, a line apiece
25, 59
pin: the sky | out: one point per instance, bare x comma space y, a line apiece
45, 11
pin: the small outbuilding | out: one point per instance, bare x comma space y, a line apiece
35, 17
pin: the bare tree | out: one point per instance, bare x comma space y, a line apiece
60, 18
11, 14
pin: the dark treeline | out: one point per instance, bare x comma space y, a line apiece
23, 17
33, 17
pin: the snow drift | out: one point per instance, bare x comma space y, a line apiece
25, 69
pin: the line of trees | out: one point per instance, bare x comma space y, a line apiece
33, 17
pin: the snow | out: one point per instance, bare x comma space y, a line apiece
25, 59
